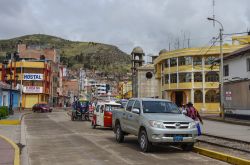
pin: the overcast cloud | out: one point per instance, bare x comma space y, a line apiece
151, 24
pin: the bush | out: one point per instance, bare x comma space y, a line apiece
3, 111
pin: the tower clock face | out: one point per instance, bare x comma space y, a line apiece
149, 75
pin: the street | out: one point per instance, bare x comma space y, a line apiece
52, 138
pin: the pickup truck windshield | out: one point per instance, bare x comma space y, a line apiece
159, 107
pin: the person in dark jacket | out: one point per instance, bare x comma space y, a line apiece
193, 113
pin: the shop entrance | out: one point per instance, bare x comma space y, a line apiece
179, 98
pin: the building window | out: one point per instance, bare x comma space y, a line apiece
184, 61
166, 63
198, 97
212, 77
184, 77
210, 60
248, 64
166, 77
173, 62
197, 61
173, 78
212, 96
226, 70
197, 77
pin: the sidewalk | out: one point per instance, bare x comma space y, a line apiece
7, 153
228, 130
10, 135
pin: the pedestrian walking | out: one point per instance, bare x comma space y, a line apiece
194, 114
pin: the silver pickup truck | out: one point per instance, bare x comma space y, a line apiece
154, 121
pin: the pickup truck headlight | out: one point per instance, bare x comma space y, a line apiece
192, 124
156, 124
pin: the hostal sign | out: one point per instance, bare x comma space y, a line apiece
32, 76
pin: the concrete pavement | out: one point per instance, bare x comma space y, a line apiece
52, 138
7, 153
227, 130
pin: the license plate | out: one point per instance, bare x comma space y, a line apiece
178, 138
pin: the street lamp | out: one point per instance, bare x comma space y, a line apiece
221, 68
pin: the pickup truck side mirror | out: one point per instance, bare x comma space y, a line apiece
135, 110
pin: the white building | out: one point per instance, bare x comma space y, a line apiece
237, 82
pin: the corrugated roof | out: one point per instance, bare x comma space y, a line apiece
238, 52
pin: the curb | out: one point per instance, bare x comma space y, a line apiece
220, 156
17, 151
10, 122
14, 122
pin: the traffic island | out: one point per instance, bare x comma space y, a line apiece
9, 152
221, 156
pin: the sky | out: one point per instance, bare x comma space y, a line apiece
150, 24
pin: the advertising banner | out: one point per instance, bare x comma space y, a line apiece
32, 76
32, 89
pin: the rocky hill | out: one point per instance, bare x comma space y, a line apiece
106, 58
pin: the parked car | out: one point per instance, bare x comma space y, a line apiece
41, 107
154, 121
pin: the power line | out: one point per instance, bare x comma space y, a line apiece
229, 34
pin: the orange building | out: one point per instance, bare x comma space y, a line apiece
31, 77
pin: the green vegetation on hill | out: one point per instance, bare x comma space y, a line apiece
106, 58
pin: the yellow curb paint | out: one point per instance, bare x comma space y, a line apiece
221, 156
17, 156
10, 122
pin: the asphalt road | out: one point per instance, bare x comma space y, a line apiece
52, 139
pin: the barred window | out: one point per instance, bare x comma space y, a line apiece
198, 97
226, 70
173, 61
173, 78
166, 78
212, 77
248, 64
197, 61
212, 96
197, 77
184, 77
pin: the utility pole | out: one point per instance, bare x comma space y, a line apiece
221, 76
221, 69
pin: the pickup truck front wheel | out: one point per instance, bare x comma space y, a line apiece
145, 145
119, 134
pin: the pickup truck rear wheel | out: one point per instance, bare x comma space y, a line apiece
145, 145
119, 134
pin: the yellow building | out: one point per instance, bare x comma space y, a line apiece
125, 89
33, 76
188, 75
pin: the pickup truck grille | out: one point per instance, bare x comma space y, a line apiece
176, 125
172, 135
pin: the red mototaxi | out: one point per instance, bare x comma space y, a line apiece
102, 115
